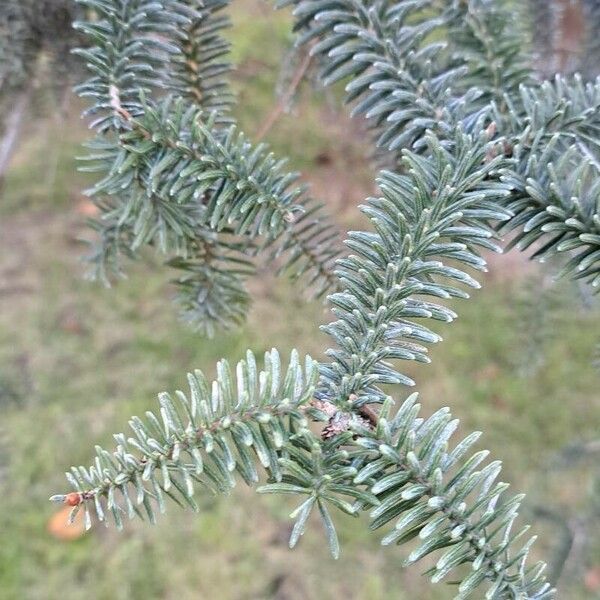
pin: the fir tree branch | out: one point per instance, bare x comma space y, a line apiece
401, 466
210, 290
554, 174
359, 39
199, 72
178, 214
400, 79
200, 439
437, 211
239, 185
460, 175
486, 37
442, 498
354, 42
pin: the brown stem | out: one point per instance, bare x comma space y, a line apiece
285, 100
368, 413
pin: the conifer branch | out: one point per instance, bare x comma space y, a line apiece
475, 147
554, 174
179, 214
199, 439
354, 43
400, 79
212, 292
401, 467
198, 72
444, 499
437, 211
486, 37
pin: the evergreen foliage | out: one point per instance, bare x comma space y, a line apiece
177, 171
478, 147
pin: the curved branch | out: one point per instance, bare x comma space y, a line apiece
198, 439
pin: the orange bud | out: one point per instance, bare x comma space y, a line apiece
73, 499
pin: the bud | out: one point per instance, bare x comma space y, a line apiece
72, 499
491, 130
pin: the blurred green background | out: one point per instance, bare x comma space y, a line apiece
77, 360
